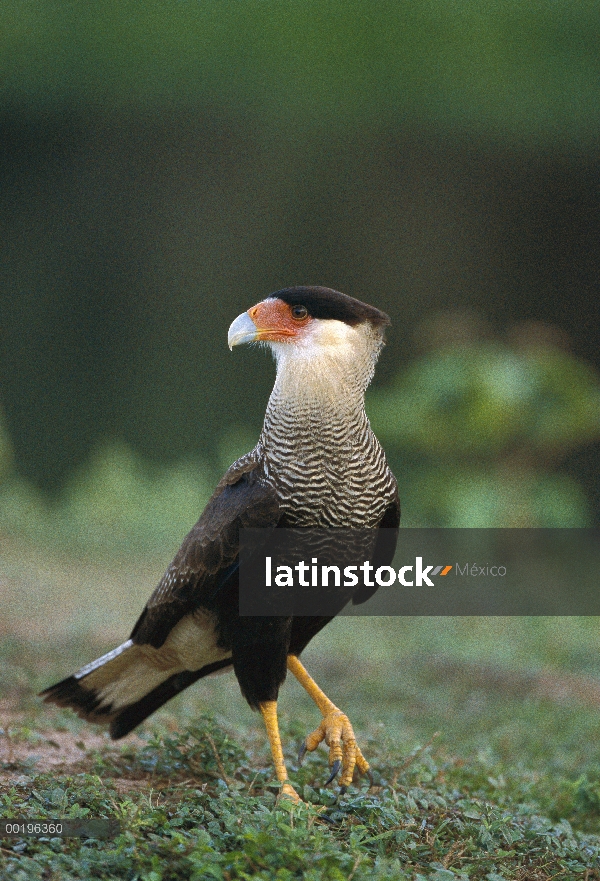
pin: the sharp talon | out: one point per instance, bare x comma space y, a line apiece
301, 752
370, 777
334, 771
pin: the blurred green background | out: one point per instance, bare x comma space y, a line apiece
165, 165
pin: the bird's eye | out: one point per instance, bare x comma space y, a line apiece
299, 312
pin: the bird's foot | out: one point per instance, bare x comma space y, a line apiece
344, 753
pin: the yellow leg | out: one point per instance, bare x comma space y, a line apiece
268, 711
335, 729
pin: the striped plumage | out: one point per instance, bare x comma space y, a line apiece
317, 463
326, 472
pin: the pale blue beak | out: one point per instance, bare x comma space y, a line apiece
242, 330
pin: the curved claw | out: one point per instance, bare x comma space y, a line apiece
370, 778
302, 752
344, 755
335, 768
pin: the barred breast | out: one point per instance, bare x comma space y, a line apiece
328, 468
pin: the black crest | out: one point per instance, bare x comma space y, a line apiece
327, 303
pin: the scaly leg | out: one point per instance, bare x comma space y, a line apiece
335, 730
268, 711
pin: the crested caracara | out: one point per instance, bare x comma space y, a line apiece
317, 463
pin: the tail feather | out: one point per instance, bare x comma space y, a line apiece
131, 716
69, 693
123, 687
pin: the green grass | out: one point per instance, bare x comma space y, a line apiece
431, 817
482, 734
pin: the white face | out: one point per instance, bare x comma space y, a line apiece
323, 336
327, 356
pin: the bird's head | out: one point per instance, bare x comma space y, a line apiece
312, 326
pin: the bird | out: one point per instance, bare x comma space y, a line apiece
317, 464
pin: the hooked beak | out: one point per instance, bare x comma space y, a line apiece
242, 330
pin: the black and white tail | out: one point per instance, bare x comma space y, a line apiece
123, 687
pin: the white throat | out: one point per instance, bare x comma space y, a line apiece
329, 369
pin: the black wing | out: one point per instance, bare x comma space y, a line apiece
207, 558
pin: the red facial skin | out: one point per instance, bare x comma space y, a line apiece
275, 323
